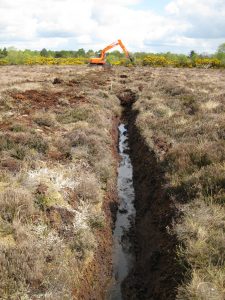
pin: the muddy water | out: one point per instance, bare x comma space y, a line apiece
123, 256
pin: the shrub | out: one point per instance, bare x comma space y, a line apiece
84, 243
188, 144
190, 103
19, 152
80, 113
16, 204
17, 128
6, 143
88, 189
208, 62
40, 60
97, 221
38, 143
45, 119
50, 199
201, 231
182, 61
155, 61
39, 265
105, 170
3, 62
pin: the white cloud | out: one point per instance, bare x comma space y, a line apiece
72, 24
206, 18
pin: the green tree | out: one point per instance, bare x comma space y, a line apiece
90, 53
220, 54
192, 54
117, 54
58, 54
44, 52
3, 53
221, 48
81, 52
15, 57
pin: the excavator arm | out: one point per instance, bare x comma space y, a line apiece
101, 60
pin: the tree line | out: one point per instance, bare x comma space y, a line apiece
13, 56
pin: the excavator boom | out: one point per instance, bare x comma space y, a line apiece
101, 60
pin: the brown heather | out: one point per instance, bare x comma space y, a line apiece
181, 115
56, 164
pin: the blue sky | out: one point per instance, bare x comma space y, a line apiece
144, 25
157, 6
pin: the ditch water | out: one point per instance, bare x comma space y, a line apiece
123, 256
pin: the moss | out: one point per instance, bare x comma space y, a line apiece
51, 199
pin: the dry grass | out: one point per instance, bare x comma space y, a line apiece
45, 119
56, 163
16, 205
182, 117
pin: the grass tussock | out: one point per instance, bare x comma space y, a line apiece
182, 118
16, 205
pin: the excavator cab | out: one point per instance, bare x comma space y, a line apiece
101, 60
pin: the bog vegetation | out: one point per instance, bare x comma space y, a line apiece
48, 57
56, 167
181, 115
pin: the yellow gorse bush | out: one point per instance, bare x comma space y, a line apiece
153, 60
208, 62
157, 61
39, 60
3, 62
162, 61
116, 63
121, 62
182, 64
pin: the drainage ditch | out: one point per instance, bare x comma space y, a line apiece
123, 256
145, 264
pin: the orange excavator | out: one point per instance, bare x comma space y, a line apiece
101, 60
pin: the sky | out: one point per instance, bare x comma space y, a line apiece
143, 25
